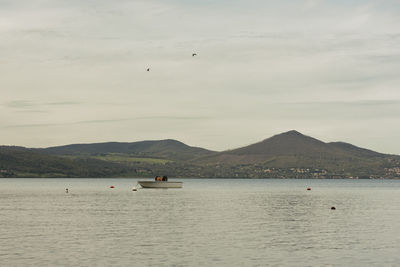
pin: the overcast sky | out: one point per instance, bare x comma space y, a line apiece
74, 71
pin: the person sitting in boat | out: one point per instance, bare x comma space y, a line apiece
165, 178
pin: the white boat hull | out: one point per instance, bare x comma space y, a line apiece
160, 184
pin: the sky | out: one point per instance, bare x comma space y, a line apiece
75, 71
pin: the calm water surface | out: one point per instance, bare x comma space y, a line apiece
210, 222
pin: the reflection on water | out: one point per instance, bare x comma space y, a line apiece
207, 223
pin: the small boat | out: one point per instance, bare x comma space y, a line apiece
160, 184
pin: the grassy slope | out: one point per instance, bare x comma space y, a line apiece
121, 158
25, 163
163, 149
168, 157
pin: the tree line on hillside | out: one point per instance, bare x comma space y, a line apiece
286, 155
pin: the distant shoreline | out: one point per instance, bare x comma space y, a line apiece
200, 178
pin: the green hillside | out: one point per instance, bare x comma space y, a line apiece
162, 149
22, 162
286, 155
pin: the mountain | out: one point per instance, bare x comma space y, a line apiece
164, 149
286, 155
292, 154
292, 145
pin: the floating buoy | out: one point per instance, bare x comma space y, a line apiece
134, 189
66, 190
112, 186
333, 208
308, 188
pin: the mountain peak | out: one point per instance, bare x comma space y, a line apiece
292, 148
287, 143
291, 133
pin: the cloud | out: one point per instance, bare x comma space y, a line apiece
62, 103
19, 104
375, 102
107, 121
24, 104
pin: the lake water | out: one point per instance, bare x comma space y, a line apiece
210, 222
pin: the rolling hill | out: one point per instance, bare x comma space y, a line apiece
162, 149
286, 155
23, 162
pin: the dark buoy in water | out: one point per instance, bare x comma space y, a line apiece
308, 188
112, 186
66, 190
333, 208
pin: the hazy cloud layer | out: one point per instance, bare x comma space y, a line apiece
75, 71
